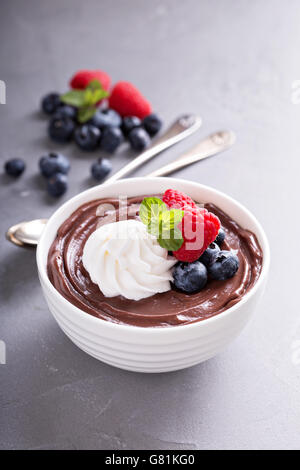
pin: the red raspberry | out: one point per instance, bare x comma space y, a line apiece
177, 199
82, 78
126, 99
199, 229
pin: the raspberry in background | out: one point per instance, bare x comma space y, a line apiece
127, 100
198, 227
82, 78
177, 199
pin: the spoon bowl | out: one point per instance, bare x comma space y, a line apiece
26, 233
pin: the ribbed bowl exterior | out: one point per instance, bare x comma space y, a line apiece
159, 350
147, 349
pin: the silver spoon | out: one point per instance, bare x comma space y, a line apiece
28, 233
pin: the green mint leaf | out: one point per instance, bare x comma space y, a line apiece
94, 92
88, 97
94, 85
162, 223
173, 241
92, 97
98, 95
171, 218
150, 210
85, 113
170, 233
153, 228
73, 98
170, 236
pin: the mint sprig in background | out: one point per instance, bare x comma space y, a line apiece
162, 222
85, 100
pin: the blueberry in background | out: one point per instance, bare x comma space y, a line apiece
54, 163
220, 237
190, 277
210, 254
111, 138
106, 118
87, 137
14, 167
100, 169
66, 111
61, 128
50, 103
225, 265
139, 139
57, 185
152, 123
129, 123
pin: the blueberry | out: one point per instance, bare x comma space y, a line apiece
225, 265
100, 169
112, 137
66, 111
129, 123
87, 137
14, 167
139, 139
220, 237
61, 128
210, 254
54, 163
190, 277
50, 103
106, 118
57, 185
152, 124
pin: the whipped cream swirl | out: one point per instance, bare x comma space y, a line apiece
122, 258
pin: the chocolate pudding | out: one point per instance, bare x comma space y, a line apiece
68, 275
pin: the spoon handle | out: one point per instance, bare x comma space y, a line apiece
212, 145
182, 128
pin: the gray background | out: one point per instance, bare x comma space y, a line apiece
233, 62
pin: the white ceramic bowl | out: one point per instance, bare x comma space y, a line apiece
151, 349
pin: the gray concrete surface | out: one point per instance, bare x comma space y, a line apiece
235, 63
